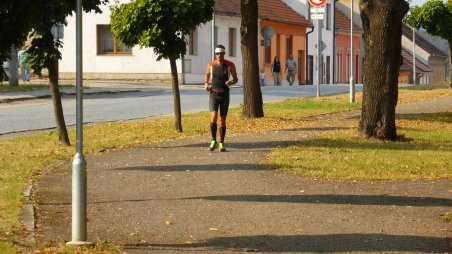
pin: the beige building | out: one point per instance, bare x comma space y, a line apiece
427, 54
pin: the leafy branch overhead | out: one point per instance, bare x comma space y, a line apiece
161, 24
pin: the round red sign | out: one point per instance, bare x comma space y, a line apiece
317, 3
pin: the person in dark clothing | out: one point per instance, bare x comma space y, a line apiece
220, 70
276, 71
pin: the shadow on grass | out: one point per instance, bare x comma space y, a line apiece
349, 144
445, 117
336, 199
329, 243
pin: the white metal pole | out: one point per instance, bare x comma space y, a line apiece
79, 232
319, 66
352, 55
213, 36
414, 56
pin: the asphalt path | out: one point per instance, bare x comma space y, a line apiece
148, 102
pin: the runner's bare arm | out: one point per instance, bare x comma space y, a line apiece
234, 76
207, 78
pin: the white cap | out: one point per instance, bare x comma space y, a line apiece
219, 50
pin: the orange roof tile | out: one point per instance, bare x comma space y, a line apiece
271, 10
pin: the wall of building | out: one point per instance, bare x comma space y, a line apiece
198, 62
141, 64
342, 65
437, 64
282, 32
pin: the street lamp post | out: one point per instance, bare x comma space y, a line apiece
352, 80
414, 56
79, 182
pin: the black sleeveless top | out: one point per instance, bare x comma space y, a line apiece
276, 66
220, 74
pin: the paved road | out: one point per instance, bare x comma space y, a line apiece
146, 102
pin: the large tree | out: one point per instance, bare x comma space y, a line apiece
435, 16
252, 95
162, 25
44, 49
382, 23
19, 19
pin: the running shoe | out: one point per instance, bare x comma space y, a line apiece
213, 145
221, 147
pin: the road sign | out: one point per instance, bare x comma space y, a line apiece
322, 46
317, 16
317, 10
317, 3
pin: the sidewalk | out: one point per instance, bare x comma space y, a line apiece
90, 87
175, 197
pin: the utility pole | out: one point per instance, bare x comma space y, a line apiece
352, 55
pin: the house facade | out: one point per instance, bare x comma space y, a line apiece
343, 50
327, 37
106, 58
428, 54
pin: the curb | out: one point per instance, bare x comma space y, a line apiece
33, 97
27, 219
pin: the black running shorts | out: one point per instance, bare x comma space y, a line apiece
219, 100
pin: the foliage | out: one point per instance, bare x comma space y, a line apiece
434, 16
44, 48
161, 24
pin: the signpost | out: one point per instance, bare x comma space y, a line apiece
317, 13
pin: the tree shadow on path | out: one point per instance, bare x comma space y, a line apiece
328, 243
337, 199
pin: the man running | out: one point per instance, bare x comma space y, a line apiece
220, 70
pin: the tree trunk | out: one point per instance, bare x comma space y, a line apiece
382, 23
13, 68
450, 63
252, 95
176, 95
57, 106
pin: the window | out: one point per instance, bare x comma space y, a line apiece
288, 46
328, 17
193, 42
268, 50
232, 41
107, 43
187, 65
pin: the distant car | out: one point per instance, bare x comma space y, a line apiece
5, 69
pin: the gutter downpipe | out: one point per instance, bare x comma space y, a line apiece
334, 42
307, 43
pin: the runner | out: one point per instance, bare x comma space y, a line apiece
220, 70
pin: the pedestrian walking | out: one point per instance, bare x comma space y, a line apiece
291, 69
24, 70
262, 77
276, 71
220, 70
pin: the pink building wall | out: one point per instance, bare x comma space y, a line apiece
342, 65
